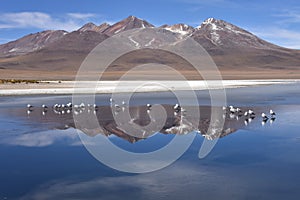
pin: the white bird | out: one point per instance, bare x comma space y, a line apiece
251, 113
44, 107
264, 116
29, 106
123, 102
149, 105
246, 114
82, 105
95, 106
272, 113
232, 109
176, 106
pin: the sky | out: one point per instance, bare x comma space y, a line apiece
276, 21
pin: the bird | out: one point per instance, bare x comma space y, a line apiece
29, 106
117, 106
69, 105
55, 106
177, 107
251, 113
224, 108
264, 117
44, 107
82, 105
123, 102
149, 105
232, 109
246, 114
272, 113
95, 106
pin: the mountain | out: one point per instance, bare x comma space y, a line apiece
233, 46
30, 43
223, 34
182, 29
92, 27
130, 22
237, 52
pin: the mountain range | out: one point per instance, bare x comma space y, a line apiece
237, 52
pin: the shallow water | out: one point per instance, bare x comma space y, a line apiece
43, 157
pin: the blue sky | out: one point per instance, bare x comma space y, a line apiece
276, 21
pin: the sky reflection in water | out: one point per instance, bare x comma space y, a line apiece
42, 158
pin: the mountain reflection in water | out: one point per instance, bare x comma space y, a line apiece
173, 123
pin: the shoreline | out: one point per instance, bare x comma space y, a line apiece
106, 87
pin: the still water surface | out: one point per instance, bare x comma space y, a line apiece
42, 156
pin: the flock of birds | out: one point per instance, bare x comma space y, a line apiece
77, 109
249, 115
234, 112
61, 109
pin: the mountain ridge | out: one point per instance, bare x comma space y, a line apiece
230, 46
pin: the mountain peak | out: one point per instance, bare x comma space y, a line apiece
131, 22
92, 27
87, 27
180, 28
220, 33
209, 21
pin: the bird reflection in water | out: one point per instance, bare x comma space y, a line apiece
164, 119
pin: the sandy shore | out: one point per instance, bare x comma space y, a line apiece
69, 87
